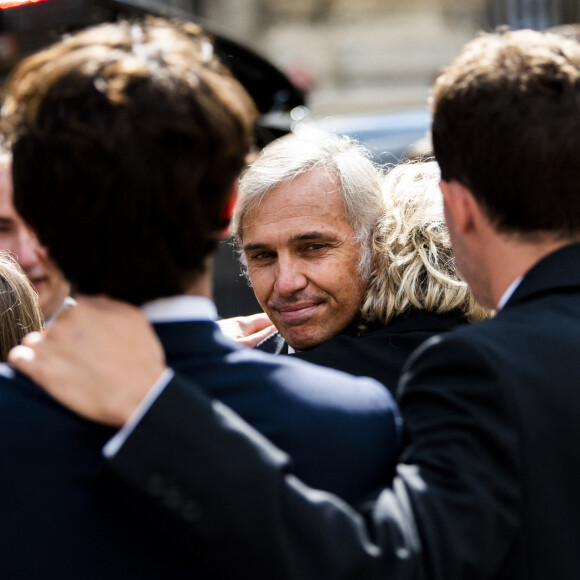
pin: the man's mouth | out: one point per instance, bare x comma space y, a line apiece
298, 313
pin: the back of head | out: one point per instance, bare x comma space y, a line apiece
19, 309
126, 140
414, 266
571, 31
506, 124
297, 154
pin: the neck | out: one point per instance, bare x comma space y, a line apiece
202, 285
512, 256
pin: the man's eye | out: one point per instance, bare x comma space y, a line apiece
260, 256
315, 247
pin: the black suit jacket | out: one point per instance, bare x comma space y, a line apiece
381, 352
487, 483
61, 517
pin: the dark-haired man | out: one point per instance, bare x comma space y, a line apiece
486, 485
127, 140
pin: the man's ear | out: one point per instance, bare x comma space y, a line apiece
460, 207
228, 211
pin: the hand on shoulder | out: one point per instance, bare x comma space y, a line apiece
99, 358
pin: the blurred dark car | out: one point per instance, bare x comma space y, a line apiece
28, 25
390, 136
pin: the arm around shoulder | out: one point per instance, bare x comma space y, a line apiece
453, 496
236, 487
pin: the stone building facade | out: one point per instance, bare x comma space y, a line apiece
370, 54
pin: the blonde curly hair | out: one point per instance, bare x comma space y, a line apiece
19, 308
414, 266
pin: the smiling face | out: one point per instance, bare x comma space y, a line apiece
302, 260
20, 241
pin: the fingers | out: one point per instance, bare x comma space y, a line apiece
256, 338
27, 359
99, 358
242, 328
23, 356
247, 330
32, 338
255, 323
30, 356
20, 357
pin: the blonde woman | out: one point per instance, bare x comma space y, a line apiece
19, 308
415, 290
415, 269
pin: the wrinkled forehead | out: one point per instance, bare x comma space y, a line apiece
311, 192
314, 193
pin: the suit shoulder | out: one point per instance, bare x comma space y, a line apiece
302, 378
6, 372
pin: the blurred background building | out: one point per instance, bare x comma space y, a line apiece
371, 54
354, 58
363, 68
348, 56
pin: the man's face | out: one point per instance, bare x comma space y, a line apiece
468, 260
17, 238
302, 260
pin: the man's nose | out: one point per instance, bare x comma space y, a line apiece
290, 277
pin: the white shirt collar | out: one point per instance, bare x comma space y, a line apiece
509, 292
180, 309
68, 301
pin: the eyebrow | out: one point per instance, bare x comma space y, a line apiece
314, 235
309, 236
252, 247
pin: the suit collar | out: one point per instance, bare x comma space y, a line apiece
559, 271
415, 319
410, 321
180, 309
192, 338
273, 344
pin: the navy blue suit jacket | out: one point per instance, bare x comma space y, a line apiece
381, 352
61, 517
486, 485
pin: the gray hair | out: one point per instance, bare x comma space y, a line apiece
298, 153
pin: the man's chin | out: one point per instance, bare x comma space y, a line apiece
301, 342
43, 291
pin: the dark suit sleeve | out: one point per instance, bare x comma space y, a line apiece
450, 513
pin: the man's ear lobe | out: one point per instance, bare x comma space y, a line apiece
228, 211
459, 206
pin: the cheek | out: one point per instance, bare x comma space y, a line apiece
344, 284
353, 293
339, 275
262, 280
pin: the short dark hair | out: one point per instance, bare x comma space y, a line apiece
506, 124
126, 140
